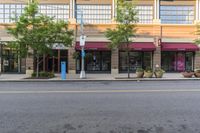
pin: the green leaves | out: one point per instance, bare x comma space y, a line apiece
125, 29
38, 32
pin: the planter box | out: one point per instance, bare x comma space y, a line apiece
158, 74
197, 74
139, 74
188, 74
148, 74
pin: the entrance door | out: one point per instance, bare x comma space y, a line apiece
53, 61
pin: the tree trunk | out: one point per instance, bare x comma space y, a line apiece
37, 71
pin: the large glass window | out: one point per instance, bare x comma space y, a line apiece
177, 14
177, 61
94, 13
145, 14
56, 11
137, 59
10, 11
96, 61
10, 60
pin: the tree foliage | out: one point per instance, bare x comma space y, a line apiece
38, 32
126, 19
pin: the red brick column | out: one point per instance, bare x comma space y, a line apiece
197, 60
115, 61
29, 65
157, 53
71, 62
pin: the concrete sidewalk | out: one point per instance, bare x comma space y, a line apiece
94, 77
167, 76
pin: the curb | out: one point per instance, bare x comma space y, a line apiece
100, 80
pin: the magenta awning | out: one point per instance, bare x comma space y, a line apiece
136, 46
93, 46
142, 46
179, 47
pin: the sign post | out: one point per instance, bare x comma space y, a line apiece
82, 44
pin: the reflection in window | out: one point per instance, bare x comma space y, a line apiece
9, 11
145, 14
94, 13
177, 14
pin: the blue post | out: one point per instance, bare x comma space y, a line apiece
63, 70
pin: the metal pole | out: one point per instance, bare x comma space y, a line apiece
82, 75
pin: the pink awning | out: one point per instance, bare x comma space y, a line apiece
179, 47
93, 46
142, 46
136, 46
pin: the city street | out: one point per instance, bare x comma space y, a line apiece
100, 107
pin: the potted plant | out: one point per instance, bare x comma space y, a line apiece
148, 73
188, 74
197, 73
159, 72
139, 72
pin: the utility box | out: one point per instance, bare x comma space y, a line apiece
63, 70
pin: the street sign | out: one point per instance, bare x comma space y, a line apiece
82, 40
83, 53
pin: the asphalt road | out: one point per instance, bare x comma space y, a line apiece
100, 107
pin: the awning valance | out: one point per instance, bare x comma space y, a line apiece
179, 47
143, 46
136, 46
93, 46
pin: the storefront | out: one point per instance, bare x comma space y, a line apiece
97, 57
52, 61
178, 57
141, 55
10, 60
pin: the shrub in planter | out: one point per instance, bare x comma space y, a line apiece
148, 73
159, 72
43, 74
33, 74
139, 72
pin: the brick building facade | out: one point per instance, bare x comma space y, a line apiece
165, 36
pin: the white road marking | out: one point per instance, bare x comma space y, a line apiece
99, 91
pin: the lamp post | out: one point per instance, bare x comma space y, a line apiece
82, 44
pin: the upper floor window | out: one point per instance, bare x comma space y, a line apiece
9, 11
177, 14
95, 14
145, 14
56, 11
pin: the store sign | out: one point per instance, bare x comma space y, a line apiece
59, 46
181, 49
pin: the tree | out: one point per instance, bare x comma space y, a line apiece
38, 32
120, 37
